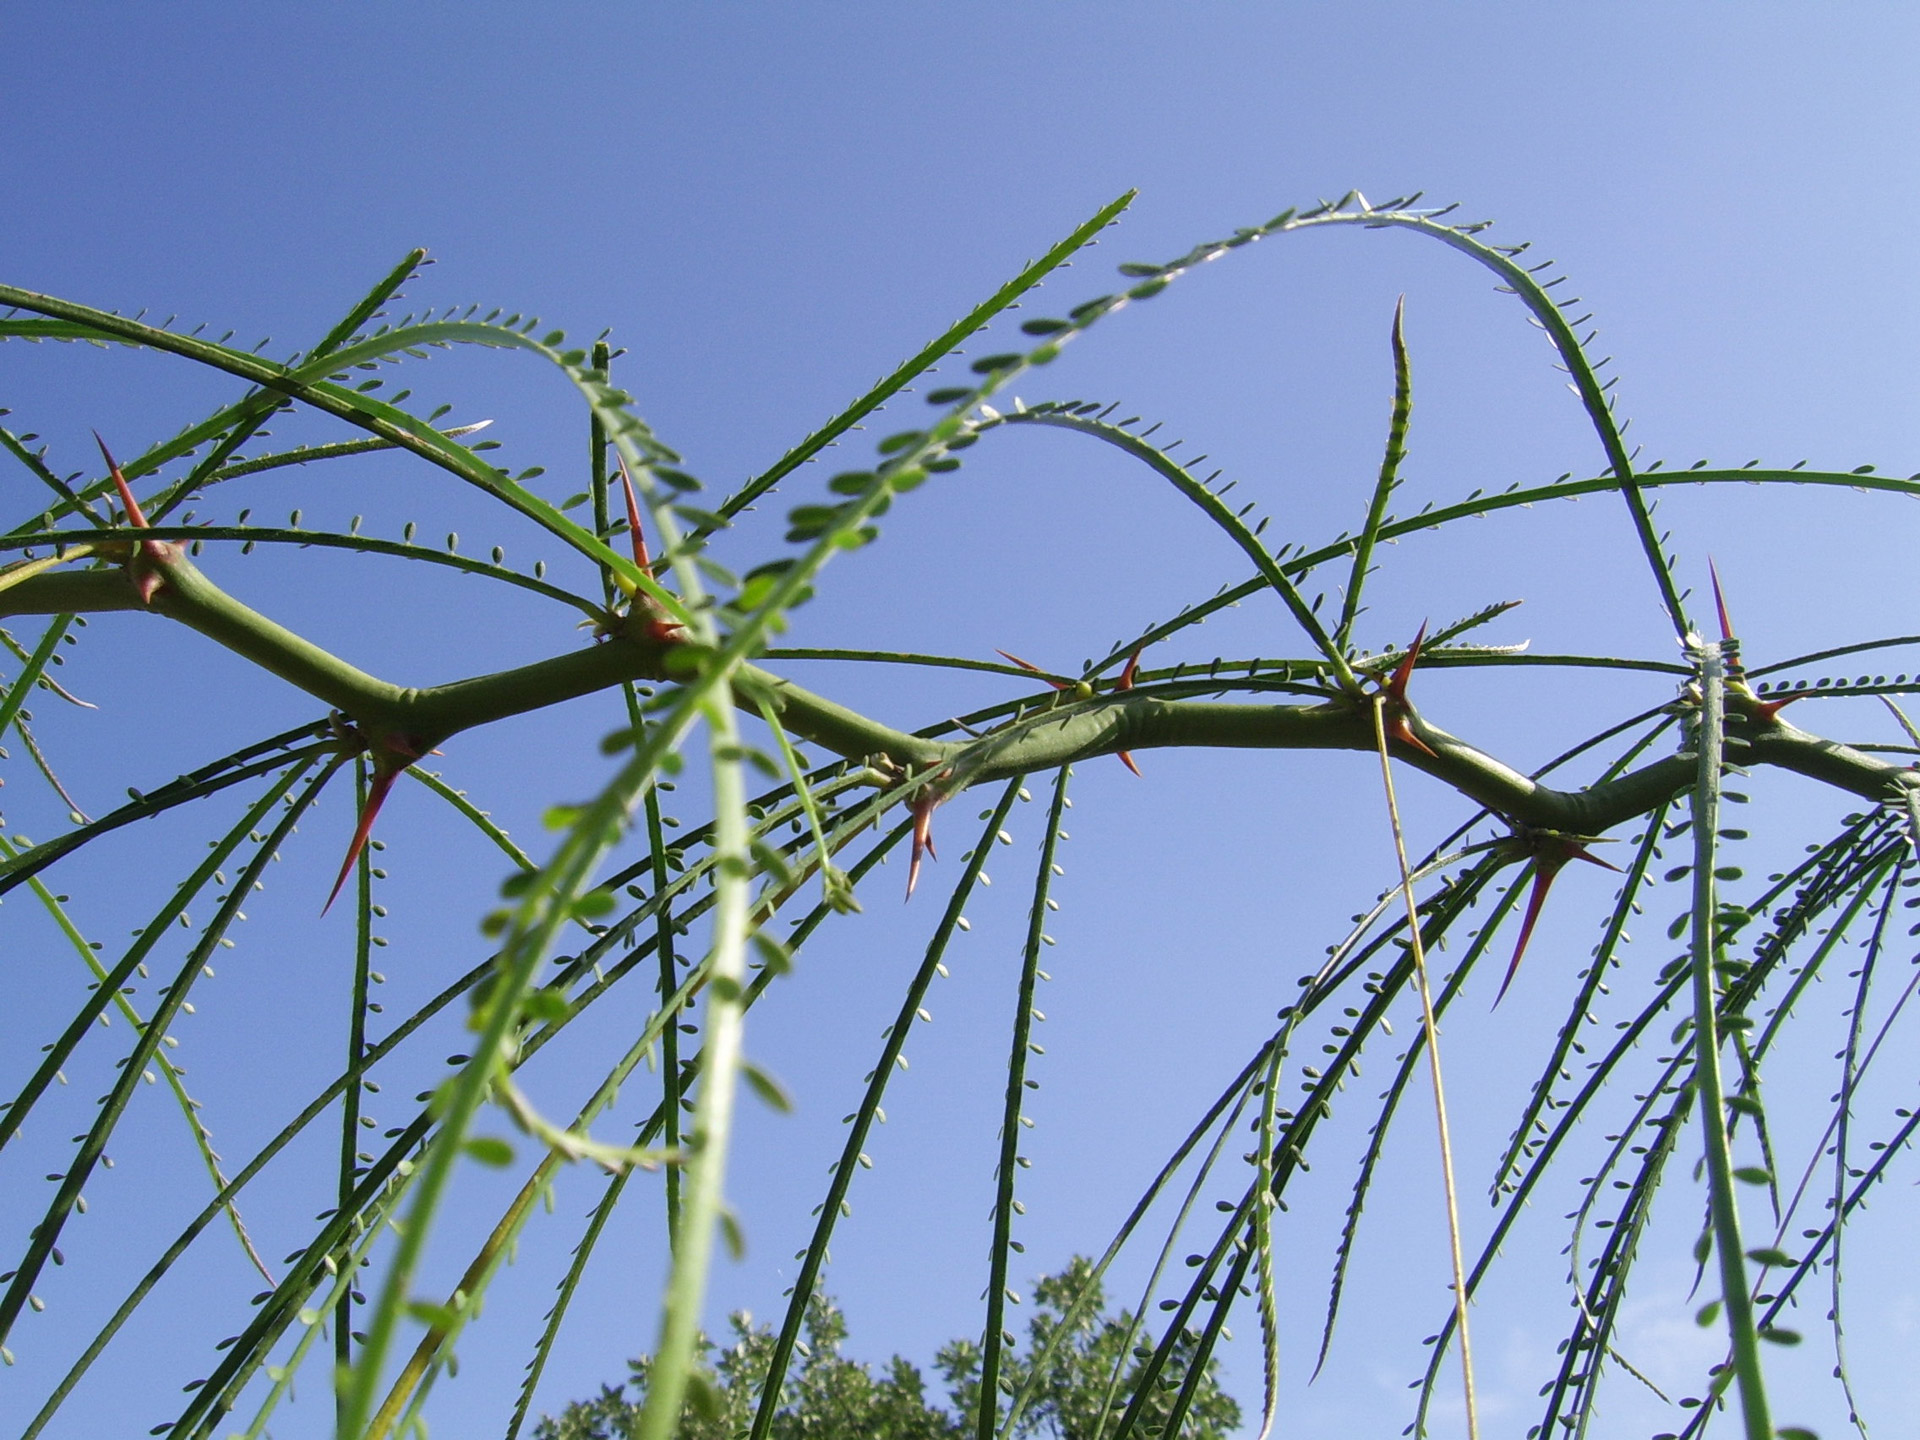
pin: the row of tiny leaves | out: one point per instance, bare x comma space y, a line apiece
784, 883
1852, 1071
1858, 854
1440, 912
926, 359
248, 536
1625, 1227
32, 673
861, 1121
355, 1069
655, 1126
113, 1105
1224, 1113
1013, 1118
1522, 281
311, 384
173, 1074
1435, 517
1408, 1061
1216, 509
1387, 481
1606, 956
252, 413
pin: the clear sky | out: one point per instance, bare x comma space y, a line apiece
772, 205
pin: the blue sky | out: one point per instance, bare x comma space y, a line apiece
770, 206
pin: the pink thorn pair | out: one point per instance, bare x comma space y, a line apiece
1125, 682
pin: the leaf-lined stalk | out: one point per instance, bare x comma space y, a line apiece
61, 1050
862, 1120
1738, 1299
713, 1112
222, 774
261, 406
246, 535
1235, 1095
1011, 1116
1397, 1089
22, 685
202, 1140
1218, 511
653, 1129
1383, 488
931, 355
357, 998
1851, 1070
80, 1169
345, 1273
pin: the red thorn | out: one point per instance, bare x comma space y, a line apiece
1720, 602
922, 806
134, 516
1547, 865
1032, 668
1545, 868
1396, 686
1580, 852
640, 556
146, 578
398, 754
376, 796
1769, 709
1126, 683
1399, 729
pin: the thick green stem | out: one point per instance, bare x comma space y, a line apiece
1135, 720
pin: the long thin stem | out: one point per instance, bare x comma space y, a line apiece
1432, 1035
1724, 1200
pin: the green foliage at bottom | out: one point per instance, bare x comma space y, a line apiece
830, 1395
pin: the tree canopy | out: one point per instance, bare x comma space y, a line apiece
1077, 1368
